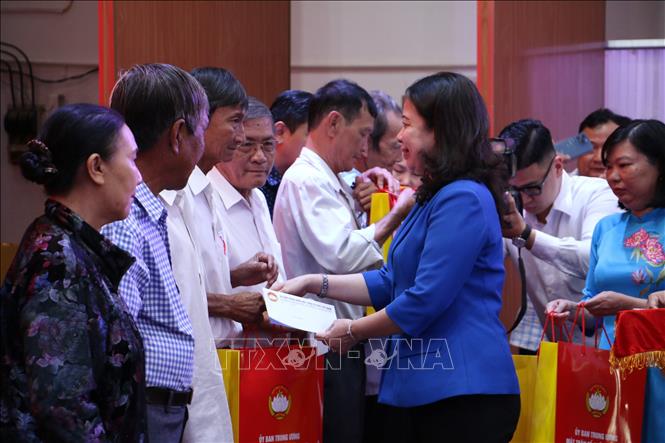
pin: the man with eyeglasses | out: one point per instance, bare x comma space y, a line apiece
246, 216
554, 233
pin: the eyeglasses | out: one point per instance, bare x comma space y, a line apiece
535, 189
267, 146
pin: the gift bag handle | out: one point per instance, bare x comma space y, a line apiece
598, 326
549, 321
392, 197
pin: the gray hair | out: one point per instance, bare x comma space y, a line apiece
152, 97
384, 104
257, 109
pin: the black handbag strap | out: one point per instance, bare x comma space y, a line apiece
522, 311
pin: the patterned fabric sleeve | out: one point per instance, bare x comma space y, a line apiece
57, 350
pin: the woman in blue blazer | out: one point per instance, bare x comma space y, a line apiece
439, 295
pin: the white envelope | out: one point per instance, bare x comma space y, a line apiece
298, 312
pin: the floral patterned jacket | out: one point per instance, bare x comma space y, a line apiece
72, 362
627, 256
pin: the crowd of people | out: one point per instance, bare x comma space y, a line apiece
170, 211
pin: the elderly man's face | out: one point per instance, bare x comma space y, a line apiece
352, 139
225, 133
191, 149
252, 161
390, 148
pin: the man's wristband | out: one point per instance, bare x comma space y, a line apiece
323, 293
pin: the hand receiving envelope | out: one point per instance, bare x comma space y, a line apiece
298, 312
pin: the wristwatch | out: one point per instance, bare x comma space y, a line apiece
521, 240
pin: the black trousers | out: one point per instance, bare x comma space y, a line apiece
467, 418
344, 397
385, 423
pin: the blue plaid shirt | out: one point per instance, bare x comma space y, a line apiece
150, 292
527, 334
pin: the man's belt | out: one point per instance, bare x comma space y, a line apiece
168, 397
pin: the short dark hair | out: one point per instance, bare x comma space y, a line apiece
454, 110
384, 104
69, 136
152, 97
600, 117
343, 96
533, 142
222, 88
648, 137
257, 109
291, 107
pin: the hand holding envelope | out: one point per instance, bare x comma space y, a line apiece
298, 312
292, 310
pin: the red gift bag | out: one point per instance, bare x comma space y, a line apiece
275, 394
578, 399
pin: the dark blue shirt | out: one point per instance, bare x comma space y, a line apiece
271, 187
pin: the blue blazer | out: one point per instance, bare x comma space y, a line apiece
442, 286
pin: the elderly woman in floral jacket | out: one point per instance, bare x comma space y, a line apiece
72, 362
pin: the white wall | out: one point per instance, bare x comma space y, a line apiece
59, 45
635, 82
634, 78
380, 44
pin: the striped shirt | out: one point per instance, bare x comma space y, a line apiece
150, 292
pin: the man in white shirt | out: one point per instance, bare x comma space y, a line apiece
554, 235
383, 149
227, 309
244, 209
201, 270
319, 231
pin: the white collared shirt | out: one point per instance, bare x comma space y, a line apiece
248, 227
557, 264
317, 226
209, 417
210, 236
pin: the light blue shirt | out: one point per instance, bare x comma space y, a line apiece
627, 256
150, 291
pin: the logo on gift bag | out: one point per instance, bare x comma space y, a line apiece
279, 402
597, 401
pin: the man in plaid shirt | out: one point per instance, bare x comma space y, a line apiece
167, 110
